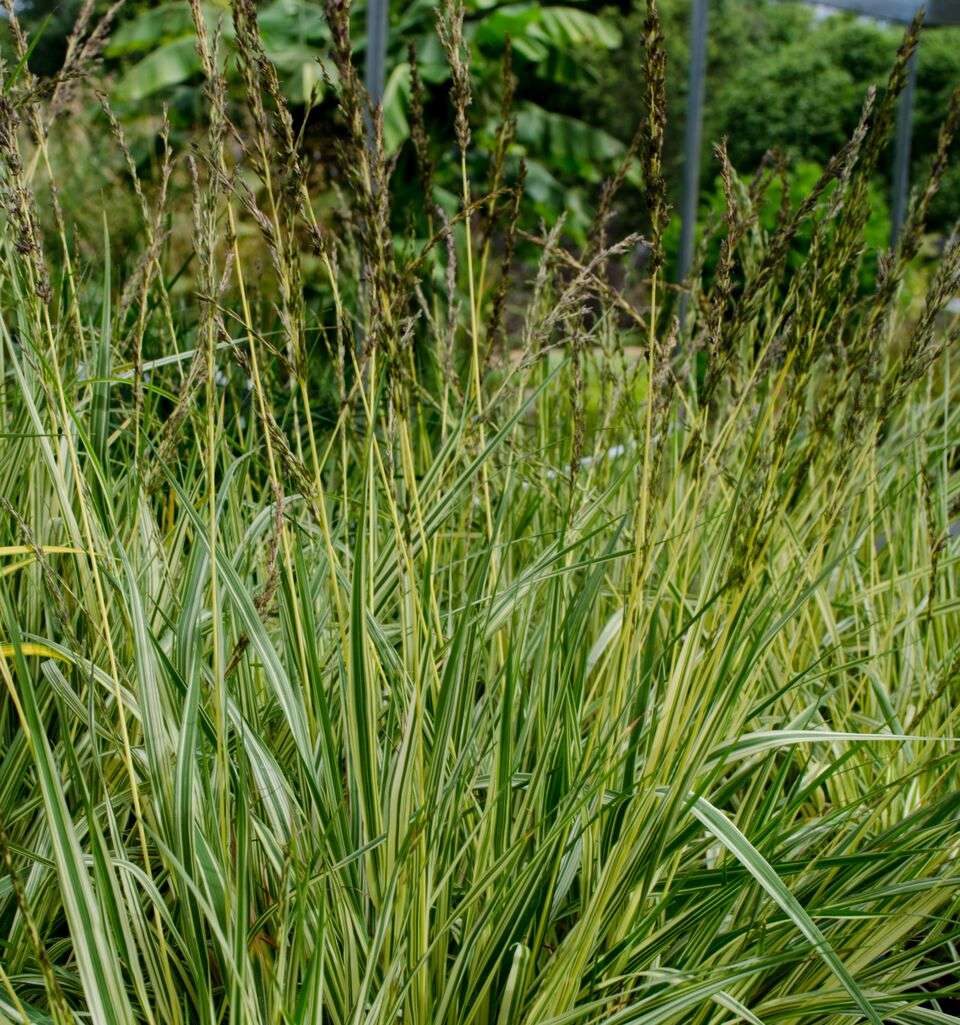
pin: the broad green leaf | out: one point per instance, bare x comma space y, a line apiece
396, 96
168, 65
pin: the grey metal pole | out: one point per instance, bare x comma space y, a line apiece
693, 135
901, 155
375, 70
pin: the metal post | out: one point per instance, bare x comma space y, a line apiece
901, 155
693, 135
375, 71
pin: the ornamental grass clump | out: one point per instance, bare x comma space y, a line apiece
429, 626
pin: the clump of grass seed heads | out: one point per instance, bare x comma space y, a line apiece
442, 630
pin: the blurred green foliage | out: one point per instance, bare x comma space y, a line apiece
557, 49
780, 74
785, 76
